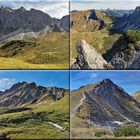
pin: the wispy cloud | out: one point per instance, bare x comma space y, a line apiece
54, 8
6, 83
93, 75
104, 4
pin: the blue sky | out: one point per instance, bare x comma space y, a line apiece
44, 78
55, 8
128, 80
104, 4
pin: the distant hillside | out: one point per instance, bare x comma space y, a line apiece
90, 20
128, 22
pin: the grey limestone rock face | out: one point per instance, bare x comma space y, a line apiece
88, 57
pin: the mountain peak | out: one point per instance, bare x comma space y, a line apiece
7, 9
33, 84
137, 9
22, 8
107, 88
107, 81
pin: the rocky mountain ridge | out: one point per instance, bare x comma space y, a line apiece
24, 93
30, 23
88, 20
109, 106
128, 22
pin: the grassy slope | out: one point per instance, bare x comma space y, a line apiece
101, 40
76, 95
136, 96
51, 52
33, 124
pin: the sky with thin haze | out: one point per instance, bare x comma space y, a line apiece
128, 80
104, 4
55, 8
43, 78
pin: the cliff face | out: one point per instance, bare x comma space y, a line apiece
124, 55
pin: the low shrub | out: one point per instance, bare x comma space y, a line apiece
132, 35
100, 133
127, 131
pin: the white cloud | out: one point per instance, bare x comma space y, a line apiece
56, 9
93, 75
6, 83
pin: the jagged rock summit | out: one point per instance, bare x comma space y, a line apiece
28, 21
88, 58
23, 93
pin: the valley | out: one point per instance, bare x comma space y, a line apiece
34, 44
106, 30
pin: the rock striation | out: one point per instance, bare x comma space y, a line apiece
88, 58
108, 105
23, 93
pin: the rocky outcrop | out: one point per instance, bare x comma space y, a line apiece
88, 58
127, 22
108, 105
124, 55
24, 93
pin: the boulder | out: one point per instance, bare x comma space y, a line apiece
88, 58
